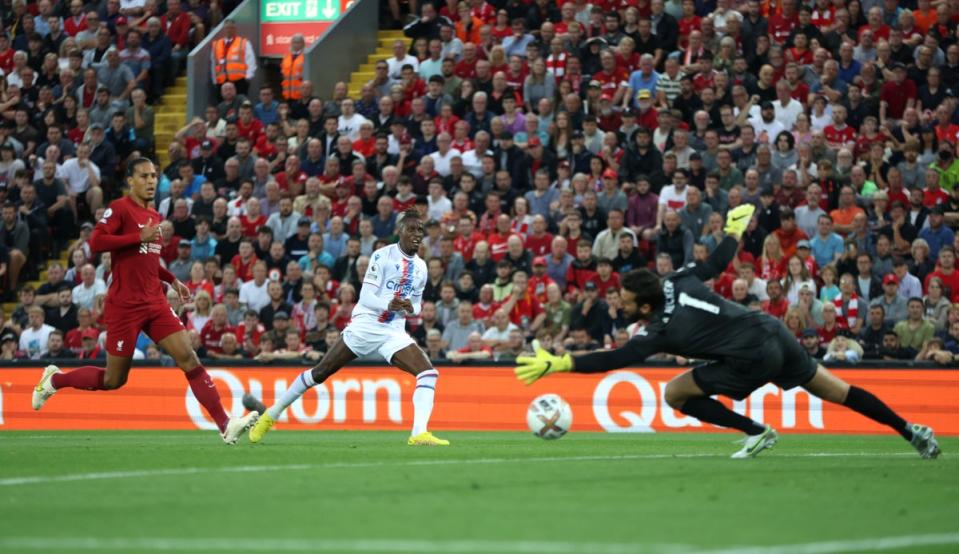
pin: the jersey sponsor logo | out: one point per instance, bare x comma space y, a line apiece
150, 248
689, 301
119, 346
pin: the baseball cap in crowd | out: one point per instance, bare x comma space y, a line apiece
86, 225
589, 286
897, 65
304, 221
629, 112
597, 40
594, 84
766, 105
809, 332
281, 315
9, 335
577, 134
96, 127
90, 333
890, 279
695, 156
644, 94
206, 145
610, 174
539, 260
121, 21
938, 209
802, 244
185, 242
534, 141
506, 135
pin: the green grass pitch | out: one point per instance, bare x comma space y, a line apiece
489, 492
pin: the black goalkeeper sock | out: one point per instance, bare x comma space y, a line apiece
868, 405
712, 411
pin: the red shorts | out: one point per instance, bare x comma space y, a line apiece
124, 324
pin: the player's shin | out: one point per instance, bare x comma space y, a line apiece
84, 378
423, 396
300, 385
206, 394
868, 405
712, 411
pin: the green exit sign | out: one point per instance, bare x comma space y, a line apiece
299, 10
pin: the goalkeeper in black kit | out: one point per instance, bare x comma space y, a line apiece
745, 350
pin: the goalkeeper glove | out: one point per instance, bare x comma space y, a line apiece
738, 219
541, 364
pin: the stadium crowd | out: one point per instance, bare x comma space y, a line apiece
552, 146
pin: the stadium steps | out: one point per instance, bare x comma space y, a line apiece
364, 72
170, 117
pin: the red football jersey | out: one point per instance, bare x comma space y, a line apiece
136, 265
211, 336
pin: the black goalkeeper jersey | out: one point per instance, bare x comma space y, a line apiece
694, 322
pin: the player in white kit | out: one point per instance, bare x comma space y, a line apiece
392, 288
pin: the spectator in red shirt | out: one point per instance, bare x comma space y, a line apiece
539, 280
777, 305
838, 134
244, 260
538, 241
946, 272
605, 278
933, 195
524, 310
214, 329
466, 238
897, 94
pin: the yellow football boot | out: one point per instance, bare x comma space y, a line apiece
264, 424
424, 439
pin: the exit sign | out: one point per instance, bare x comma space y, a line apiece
299, 10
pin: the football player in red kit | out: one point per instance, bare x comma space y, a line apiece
136, 301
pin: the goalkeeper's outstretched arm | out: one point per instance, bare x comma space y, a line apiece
633, 352
532, 368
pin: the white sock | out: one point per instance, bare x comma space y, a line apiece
423, 399
299, 386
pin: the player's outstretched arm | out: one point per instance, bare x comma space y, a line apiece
736, 222
542, 363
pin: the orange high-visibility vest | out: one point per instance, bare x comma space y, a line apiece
230, 64
292, 69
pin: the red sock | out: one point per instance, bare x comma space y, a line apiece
206, 394
87, 378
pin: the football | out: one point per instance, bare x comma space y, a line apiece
549, 416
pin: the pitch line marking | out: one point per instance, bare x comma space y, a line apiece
103, 475
460, 546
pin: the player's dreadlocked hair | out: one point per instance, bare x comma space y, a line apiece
646, 286
410, 215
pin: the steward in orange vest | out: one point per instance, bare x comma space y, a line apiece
292, 69
229, 59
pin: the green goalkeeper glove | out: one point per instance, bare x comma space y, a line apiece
543, 363
738, 219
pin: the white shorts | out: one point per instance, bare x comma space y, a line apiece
364, 337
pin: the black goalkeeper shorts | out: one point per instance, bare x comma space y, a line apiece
782, 361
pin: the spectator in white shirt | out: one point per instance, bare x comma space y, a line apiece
253, 294
33, 339
399, 59
85, 294
82, 176
444, 154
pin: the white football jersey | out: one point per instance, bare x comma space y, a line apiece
390, 274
